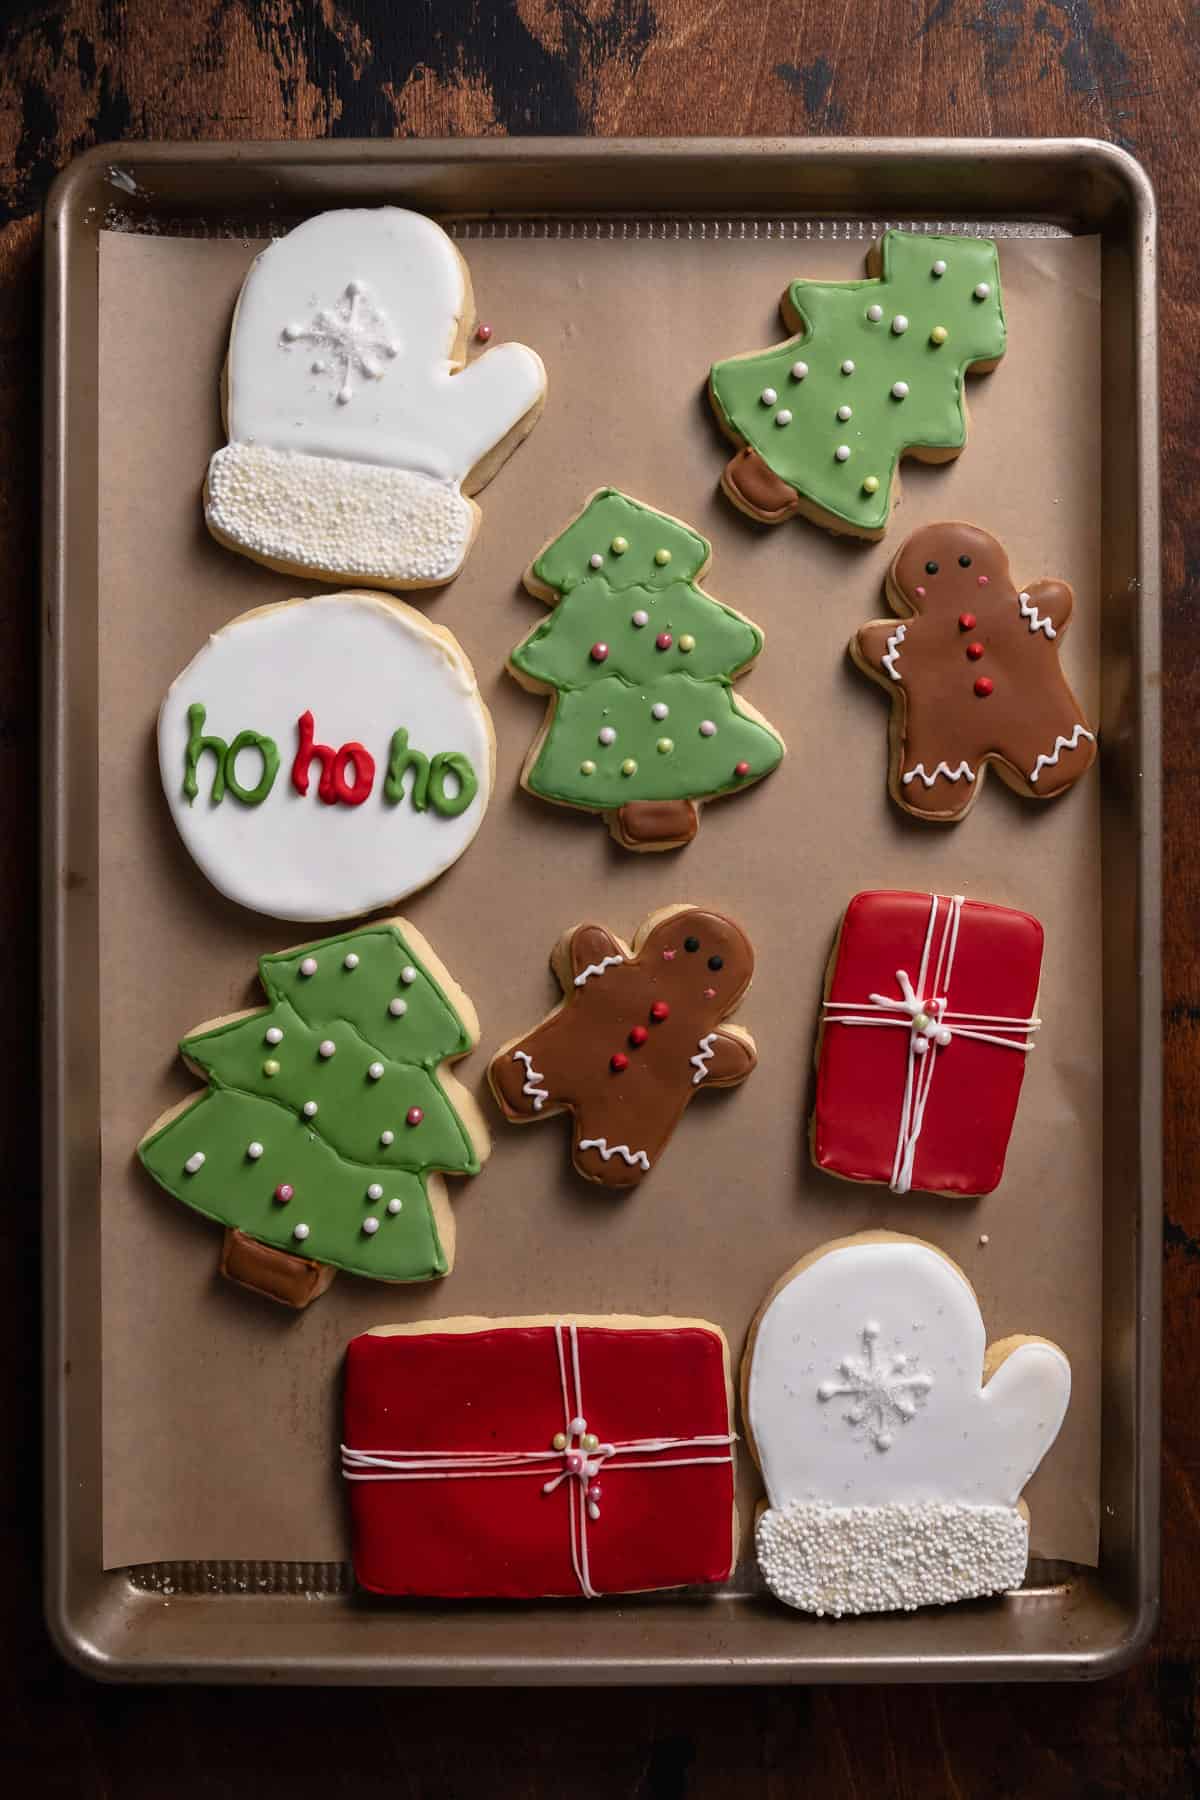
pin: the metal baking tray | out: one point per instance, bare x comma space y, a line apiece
260, 1622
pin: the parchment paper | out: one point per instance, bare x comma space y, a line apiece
221, 1410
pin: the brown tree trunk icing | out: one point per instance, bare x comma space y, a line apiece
656, 824
752, 484
291, 1280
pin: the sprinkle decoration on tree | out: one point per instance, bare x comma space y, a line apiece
875, 372
329, 1117
639, 662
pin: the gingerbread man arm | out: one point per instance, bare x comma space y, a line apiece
1046, 602
873, 646
517, 1076
724, 1057
585, 952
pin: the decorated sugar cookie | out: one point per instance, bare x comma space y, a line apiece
327, 756
894, 1442
637, 1035
973, 673
330, 1117
929, 1017
643, 723
554, 1455
357, 430
874, 373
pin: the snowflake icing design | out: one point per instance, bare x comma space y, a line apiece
351, 337
885, 1388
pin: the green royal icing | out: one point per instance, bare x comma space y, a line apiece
333, 1158
836, 328
618, 692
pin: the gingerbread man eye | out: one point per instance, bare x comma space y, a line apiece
964, 562
716, 962
691, 944
931, 568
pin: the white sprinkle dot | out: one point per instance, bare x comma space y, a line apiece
394, 1206
595, 560
606, 735
309, 966
874, 313
847, 367
799, 371
326, 1048
375, 1071
254, 1151
641, 617
899, 390
844, 413
310, 1109
300, 1232
375, 1191
842, 453
397, 1007
783, 416
350, 960
899, 324
386, 1138
982, 291
408, 974
274, 1035
195, 1162
370, 1227
768, 397
984, 1238
939, 267
707, 728
659, 710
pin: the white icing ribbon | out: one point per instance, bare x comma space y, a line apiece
925, 1014
1061, 744
597, 968
635, 1158
703, 1057
539, 1095
1036, 621
569, 1462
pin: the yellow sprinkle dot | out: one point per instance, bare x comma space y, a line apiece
619, 546
629, 767
662, 558
665, 746
938, 335
588, 767
270, 1067
871, 484
589, 1441
559, 1440
687, 642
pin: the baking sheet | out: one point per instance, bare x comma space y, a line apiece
220, 1412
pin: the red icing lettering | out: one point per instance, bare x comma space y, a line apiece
335, 783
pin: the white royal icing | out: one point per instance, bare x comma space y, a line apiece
1061, 744
893, 651
702, 1058
539, 1095
1036, 621
597, 968
881, 1448
364, 666
637, 1159
340, 380
963, 771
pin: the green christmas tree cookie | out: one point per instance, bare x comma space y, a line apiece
329, 1117
874, 373
639, 662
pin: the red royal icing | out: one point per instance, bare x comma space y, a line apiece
638, 1036
618, 1063
966, 621
974, 651
984, 686
660, 1011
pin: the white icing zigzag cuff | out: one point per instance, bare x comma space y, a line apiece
832, 1560
339, 518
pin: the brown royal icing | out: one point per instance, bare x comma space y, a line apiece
974, 674
636, 1036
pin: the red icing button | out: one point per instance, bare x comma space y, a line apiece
414, 1115
966, 621
663, 641
618, 1063
983, 687
974, 651
638, 1035
660, 1011
599, 653
284, 1192
742, 768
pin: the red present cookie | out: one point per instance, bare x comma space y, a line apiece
525, 1458
973, 673
929, 1015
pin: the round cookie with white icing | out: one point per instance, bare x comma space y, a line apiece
893, 1441
326, 756
357, 431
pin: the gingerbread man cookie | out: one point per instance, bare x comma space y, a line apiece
974, 675
638, 1033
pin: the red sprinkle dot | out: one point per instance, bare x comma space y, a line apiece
742, 768
974, 651
982, 580
618, 1063
414, 1115
638, 1036
284, 1192
483, 333
660, 1011
599, 653
663, 641
983, 687
966, 621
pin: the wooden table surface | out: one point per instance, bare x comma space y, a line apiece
96, 70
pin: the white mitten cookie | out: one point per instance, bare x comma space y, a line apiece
355, 431
893, 1442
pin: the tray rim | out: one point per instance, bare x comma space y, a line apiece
85, 1613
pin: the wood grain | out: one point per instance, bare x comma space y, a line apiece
75, 74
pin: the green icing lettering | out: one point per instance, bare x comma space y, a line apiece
332, 1157
834, 327
400, 760
197, 744
667, 645
267, 749
452, 762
